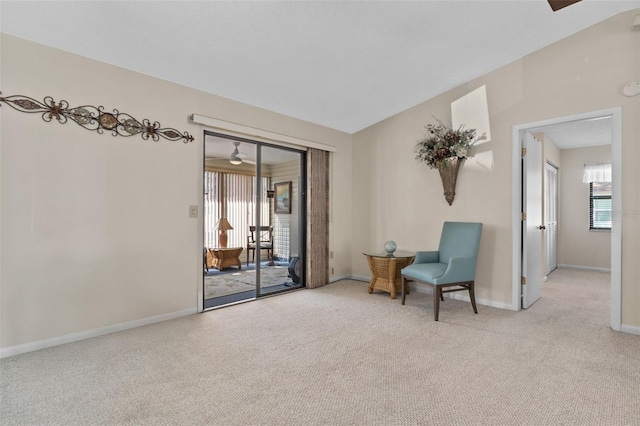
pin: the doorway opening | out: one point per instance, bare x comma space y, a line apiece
550, 216
524, 232
254, 219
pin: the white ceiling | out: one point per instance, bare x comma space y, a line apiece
345, 65
580, 134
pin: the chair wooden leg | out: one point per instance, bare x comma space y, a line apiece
437, 294
404, 286
272, 261
472, 296
442, 296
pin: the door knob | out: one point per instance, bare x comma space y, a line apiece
541, 227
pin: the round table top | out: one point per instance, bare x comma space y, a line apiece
396, 254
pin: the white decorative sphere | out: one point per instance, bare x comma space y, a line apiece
390, 247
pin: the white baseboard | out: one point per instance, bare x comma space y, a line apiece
82, 335
340, 278
585, 268
461, 295
631, 329
87, 334
491, 303
458, 295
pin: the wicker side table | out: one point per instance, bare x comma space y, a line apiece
385, 271
221, 258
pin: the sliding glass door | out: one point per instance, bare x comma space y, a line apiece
254, 219
278, 266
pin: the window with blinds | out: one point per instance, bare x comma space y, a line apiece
232, 196
600, 205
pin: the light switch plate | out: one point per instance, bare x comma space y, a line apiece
193, 212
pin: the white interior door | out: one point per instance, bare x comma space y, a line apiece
532, 224
551, 217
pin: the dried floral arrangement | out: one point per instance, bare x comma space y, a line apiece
443, 142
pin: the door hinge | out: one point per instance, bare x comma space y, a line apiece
524, 216
523, 280
524, 151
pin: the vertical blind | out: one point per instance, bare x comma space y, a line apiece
232, 196
212, 208
598, 176
318, 216
600, 205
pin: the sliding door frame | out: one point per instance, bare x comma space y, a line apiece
302, 207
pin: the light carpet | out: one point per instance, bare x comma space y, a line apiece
243, 280
337, 355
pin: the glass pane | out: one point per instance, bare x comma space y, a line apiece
229, 193
601, 189
283, 168
601, 205
602, 213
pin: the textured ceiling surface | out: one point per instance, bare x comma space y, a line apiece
344, 65
580, 134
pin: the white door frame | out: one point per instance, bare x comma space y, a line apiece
549, 236
616, 197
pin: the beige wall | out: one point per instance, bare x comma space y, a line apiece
577, 245
95, 228
397, 198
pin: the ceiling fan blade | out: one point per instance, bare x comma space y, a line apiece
248, 161
559, 4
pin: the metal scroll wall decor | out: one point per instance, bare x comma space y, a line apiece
95, 118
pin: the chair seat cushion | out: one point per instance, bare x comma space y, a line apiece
262, 245
428, 272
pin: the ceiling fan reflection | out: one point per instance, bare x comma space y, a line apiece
238, 157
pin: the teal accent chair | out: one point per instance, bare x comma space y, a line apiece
453, 265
